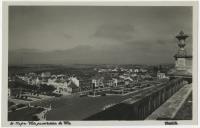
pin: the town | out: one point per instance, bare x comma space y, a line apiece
45, 92
91, 81
66, 84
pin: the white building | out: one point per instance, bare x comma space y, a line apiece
37, 81
161, 75
51, 81
97, 82
134, 75
114, 82
45, 74
136, 70
74, 80
94, 83
65, 88
125, 77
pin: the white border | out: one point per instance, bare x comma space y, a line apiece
98, 3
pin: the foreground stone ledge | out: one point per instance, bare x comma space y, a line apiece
169, 109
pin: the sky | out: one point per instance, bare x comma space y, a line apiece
96, 35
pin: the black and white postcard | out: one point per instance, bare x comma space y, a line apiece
98, 63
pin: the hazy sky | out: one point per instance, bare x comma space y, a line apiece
85, 34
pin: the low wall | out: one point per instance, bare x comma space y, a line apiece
169, 109
141, 105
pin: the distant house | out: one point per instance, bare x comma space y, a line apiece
114, 70
67, 87
45, 74
38, 81
97, 81
44, 81
147, 76
143, 70
102, 70
63, 89
51, 81
134, 75
32, 74
126, 77
94, 83
126, 82
161, 75
74, 80
114, 82
73, 87
130, 70
136, 70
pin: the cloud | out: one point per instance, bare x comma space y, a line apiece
161, 42
126, 53
120, 32
34, 56
140, 44
25, 50
67, 36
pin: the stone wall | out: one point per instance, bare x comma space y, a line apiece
140, 106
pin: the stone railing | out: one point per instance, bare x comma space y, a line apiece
141, 105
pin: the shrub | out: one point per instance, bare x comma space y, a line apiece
10, 103
20, 105
13, 109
